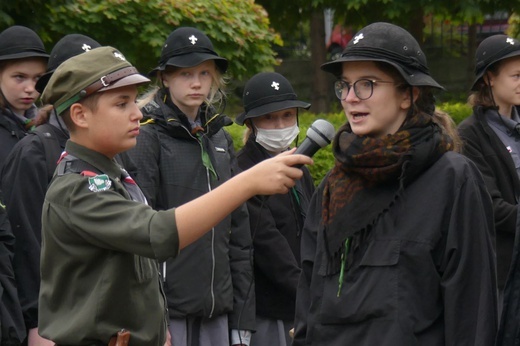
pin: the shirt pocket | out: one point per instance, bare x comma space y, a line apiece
515, 157
369, 289
144, 269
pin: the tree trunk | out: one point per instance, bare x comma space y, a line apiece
417, 24
320, 96
472, 48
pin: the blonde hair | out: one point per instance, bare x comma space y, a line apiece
248, 131
483, 96
43, 115
448, 127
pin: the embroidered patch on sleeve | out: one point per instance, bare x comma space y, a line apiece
99, 183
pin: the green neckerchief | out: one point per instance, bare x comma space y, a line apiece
206, 161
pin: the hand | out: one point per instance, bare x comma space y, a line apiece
34, 339
277, 174
168, 341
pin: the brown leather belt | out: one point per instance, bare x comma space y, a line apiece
121, 339
109, 79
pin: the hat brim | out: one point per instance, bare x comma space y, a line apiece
480, 74
191, 60
24, 55
43, 80
270, 108
134, 79
417, 78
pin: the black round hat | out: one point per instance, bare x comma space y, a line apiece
18, 42
391, 44
268, 92
67, 47
188, 47
492, 50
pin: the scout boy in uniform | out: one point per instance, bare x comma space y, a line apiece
100, 240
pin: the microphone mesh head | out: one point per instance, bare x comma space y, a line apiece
322, 132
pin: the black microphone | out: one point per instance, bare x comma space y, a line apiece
319, 135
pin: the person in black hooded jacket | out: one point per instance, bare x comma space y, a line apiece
271, 117
24, 178
183, 152
12, 329
22, 61
491, 139
397, 246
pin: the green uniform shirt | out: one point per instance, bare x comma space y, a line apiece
99, 258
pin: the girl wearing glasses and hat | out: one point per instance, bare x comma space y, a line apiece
23, 60
397, 246
271, 117
182, 153
492, 140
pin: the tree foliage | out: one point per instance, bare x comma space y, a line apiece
514, 25
239, 29
361, 12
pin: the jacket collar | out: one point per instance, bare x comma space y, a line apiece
162, 111
94, 158
495, 142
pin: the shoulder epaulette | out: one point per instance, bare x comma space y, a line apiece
147, 121
88, 174
151, 106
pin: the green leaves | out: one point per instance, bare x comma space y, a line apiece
239, 29
458, 111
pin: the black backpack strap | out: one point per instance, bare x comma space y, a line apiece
10, 125
71, 164
51, 145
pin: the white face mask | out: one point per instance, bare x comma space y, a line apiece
277, 140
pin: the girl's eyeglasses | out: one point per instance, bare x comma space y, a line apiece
363, 88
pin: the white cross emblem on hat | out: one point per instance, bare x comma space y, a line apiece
193, 39
86, 47
510, 41
119, 55
275, 85
357, 38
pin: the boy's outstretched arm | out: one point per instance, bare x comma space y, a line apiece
272, 176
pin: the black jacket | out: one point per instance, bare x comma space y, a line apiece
11, 131
483, 147
213, 275
509, 330
425, 276
276, 223
24, 177
12, 329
